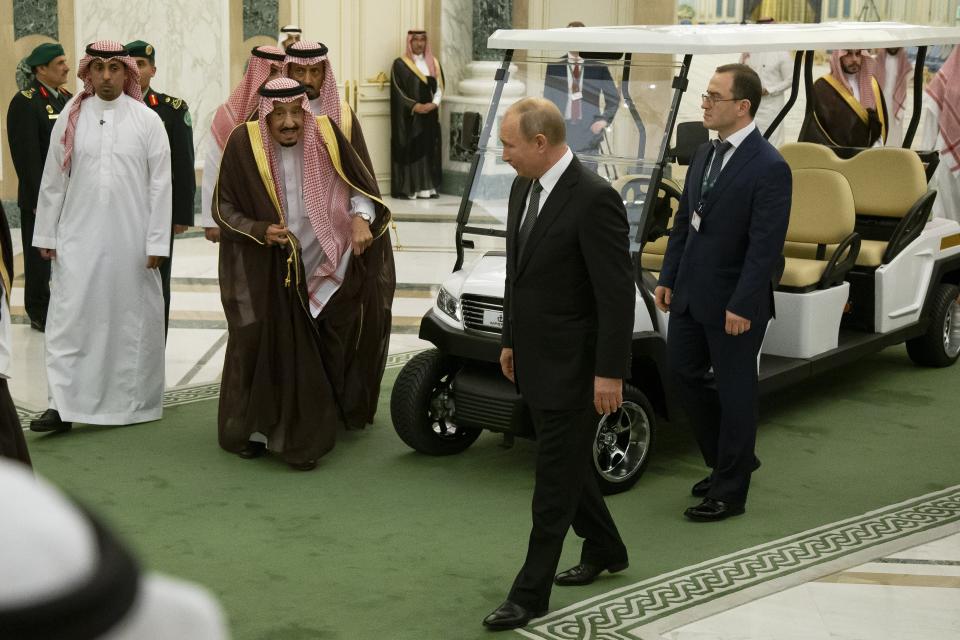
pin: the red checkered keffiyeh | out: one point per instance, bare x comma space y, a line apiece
104, 50
427, 52
900, 88
944, 89
308, 53
326, 196
244, 99
867, 72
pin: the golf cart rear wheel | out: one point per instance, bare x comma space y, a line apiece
423, 408
623, 443
940, 345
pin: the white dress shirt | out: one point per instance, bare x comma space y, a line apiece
548, 181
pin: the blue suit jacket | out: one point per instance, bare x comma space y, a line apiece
596, 81
735, 260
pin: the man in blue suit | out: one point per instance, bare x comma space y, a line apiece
575, 86
722, 263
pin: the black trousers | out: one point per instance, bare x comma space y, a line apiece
165, 269
723, 415
566, 493
36, 271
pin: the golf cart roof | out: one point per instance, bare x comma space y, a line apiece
724, 38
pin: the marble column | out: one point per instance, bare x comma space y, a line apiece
474, 69
190, 38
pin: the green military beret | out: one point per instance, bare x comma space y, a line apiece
141, 49
44, 53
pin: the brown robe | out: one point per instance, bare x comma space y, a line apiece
286, 375
12, 443
839, 120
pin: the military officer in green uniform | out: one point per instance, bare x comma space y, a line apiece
30, 119
176, 118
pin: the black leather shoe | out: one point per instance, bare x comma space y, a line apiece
702, 488
711, 510
585, 573
253, 450
37, 325
49, 420
510, 615
309, 465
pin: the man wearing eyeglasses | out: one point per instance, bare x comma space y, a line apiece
721, 266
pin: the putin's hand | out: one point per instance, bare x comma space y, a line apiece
607, 394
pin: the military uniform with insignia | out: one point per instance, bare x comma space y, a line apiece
30, 119
176, 118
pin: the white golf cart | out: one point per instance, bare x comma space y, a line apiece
865, 266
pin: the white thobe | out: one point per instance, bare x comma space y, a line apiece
775, 69
211, 173
895, 123
298, 223
104, 334
945, 180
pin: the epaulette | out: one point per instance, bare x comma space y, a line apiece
176, 103
28, 93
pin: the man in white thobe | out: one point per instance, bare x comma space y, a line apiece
775, 69
103, 218
894, 73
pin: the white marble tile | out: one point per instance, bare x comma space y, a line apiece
195, 301
404, 342
944, 549
411, 307
212, 370
188, 36
185, 349
28, 375
911, 569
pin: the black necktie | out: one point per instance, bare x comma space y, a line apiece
530, 219
719, 150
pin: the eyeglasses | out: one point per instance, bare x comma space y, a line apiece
709, 99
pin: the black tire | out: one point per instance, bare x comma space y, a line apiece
422, 406
940, 345
620, 458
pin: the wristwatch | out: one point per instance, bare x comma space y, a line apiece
366, 216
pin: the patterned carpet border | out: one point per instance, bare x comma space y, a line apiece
619, 614
198, 392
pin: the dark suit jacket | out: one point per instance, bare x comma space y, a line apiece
595, 81
735, 260
568, 304
176, 119
30, 119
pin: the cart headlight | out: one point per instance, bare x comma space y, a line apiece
448, 304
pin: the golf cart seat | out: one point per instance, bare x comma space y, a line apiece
890, 194
813, 228
659, 235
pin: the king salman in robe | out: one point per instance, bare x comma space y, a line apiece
849, 109
416, 81
104, 209
308, 320
12, 443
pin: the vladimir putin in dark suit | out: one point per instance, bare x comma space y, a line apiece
722, 263
567, 259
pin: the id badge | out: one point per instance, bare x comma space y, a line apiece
578, 95
695, 221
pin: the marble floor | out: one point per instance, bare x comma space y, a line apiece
910, 595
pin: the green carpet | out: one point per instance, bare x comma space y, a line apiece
380, 542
